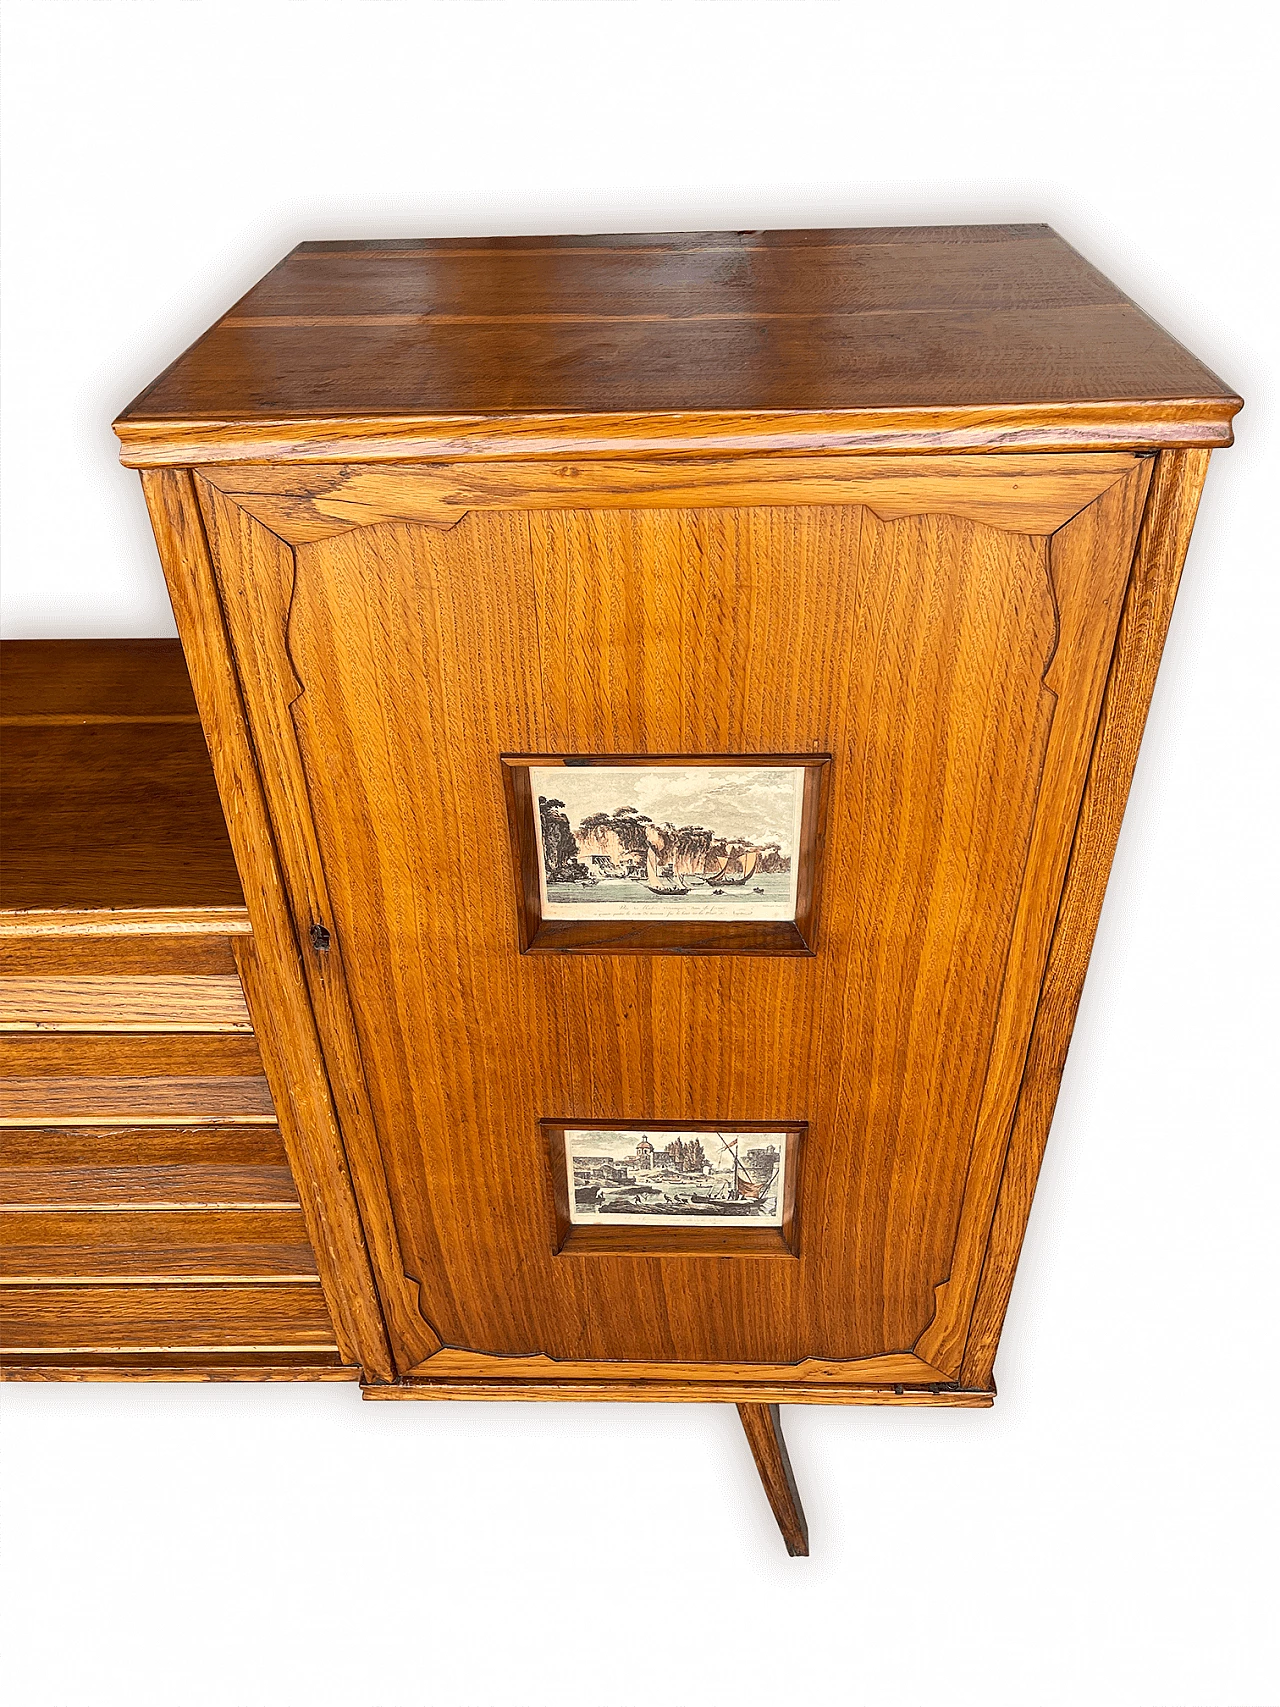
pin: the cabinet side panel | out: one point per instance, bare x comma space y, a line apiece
1172, 500
255, 577
1089, 561
276, 991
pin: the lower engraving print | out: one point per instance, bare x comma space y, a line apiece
700, 1178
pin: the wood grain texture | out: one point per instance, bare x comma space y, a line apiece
125, 1226
47, 1365
301, 503
867, 341
607, 497
112, 815
153, 1212
728, 1390
112, 824
122, 1099
950, 668
149, 1167
255, 611
135, 922
141, 1146
56, 1056
1089, 563
271, 970
137, 1185
900, 1369
675, 1242
155, 1244
107, 1003
209, 1316
1162, 545
129, 955
94, 681
995, 429
763, 1427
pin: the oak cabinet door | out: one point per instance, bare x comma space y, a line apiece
943, 632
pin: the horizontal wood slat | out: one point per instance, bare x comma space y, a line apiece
141, 1146
51, 1365
146, 1255
22, 923
146, 1004
113, 1188
126, 1265
58, 1102
74, 721
32, 1055
144, 1229
209, 1316
55, 955
66, 1079
103, 679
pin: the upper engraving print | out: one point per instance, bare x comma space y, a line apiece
668, 841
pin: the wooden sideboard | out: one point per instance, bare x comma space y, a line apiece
673, 699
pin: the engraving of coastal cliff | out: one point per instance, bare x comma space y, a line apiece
668, 841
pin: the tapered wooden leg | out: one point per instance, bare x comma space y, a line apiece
763, 1424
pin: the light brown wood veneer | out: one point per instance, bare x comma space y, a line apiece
146, 1197
912, 501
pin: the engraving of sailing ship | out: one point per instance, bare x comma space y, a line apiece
671, 1178
662, 879
669, 841
738, 869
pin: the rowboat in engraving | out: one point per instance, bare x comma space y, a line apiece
672, 1179
662, 880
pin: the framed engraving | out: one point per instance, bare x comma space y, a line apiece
671, 1188
666, 853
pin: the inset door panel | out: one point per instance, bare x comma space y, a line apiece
951, 666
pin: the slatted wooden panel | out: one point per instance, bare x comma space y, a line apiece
58, 1080
147, 1004
136, 1241
165, 1225
149, 1221
248, 1243
226, 1315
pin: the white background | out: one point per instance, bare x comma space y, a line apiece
1107, 1533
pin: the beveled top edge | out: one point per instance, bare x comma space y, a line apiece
595, 242
1203, 422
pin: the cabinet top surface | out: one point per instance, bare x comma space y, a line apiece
529, 345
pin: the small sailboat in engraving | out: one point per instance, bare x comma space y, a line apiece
736, 871
742, 1188
662, 880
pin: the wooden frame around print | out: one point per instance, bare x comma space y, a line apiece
658, 1240
539, 935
